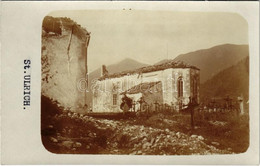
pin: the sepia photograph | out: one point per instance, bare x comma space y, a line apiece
144, 82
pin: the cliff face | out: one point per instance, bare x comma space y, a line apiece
64, 53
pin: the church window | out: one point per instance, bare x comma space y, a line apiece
180, 87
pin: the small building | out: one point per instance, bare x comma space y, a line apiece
170, 83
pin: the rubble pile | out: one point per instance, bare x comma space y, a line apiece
91, 135
138, 139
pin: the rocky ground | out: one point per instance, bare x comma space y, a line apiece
75, 133
164, 133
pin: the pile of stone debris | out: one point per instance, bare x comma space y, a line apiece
120, 137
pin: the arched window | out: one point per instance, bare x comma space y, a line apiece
180, 87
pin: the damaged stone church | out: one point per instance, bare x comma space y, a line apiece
170, 84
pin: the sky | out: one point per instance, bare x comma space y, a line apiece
151, 36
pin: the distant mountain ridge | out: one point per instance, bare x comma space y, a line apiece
126, 64
213, 60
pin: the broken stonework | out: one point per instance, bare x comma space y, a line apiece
64, 52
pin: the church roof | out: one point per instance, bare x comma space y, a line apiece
151, 68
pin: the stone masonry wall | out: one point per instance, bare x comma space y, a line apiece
105, 89
62, 69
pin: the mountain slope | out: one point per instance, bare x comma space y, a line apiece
232, 81
126, 64
213, 60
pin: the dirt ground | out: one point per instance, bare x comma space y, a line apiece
164, 133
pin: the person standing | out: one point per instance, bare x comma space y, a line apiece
126, 104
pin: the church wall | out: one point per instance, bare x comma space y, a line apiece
103, 97
185, 75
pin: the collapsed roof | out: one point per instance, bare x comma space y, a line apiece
151, 68
56, 24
